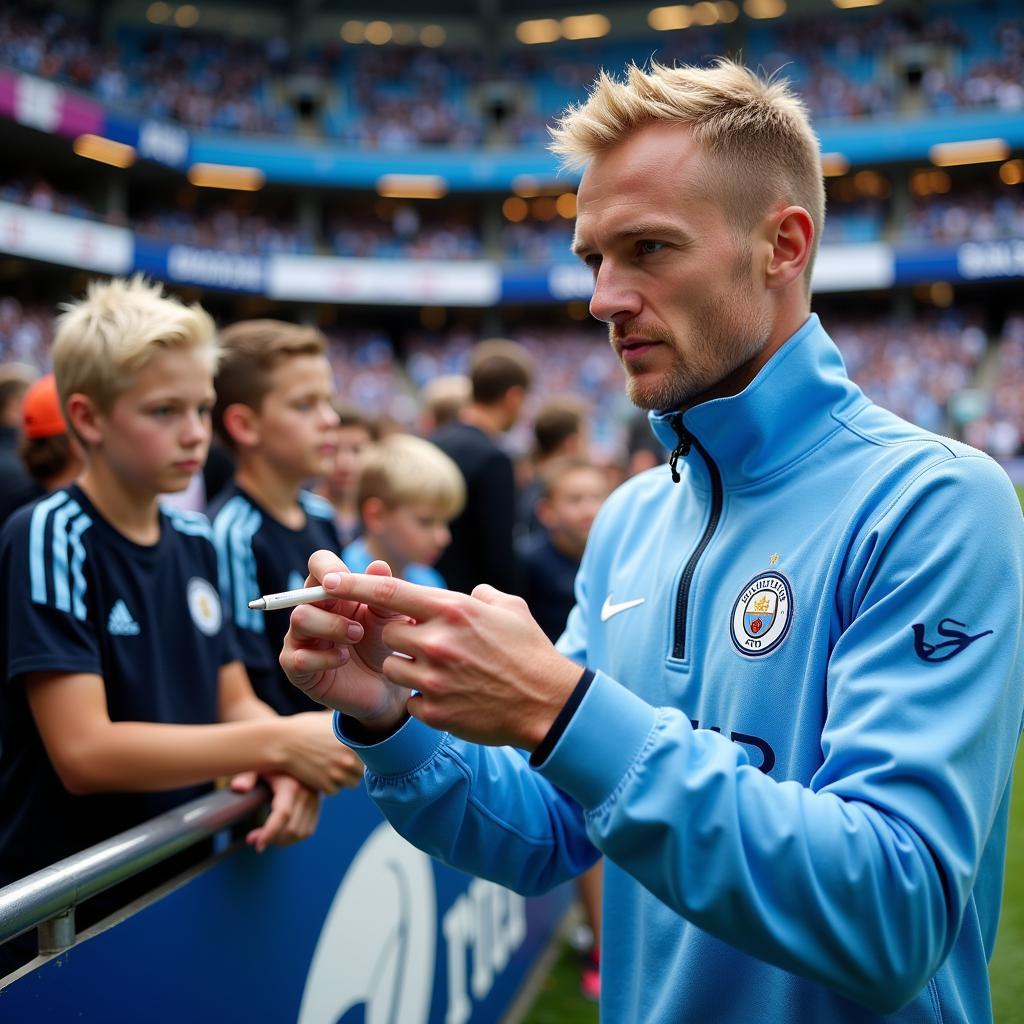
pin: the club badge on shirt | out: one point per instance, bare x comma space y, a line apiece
204, 606
762, 614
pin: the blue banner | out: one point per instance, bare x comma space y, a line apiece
208, 268
353, 925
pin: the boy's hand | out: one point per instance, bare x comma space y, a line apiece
334, 652
294, 810
314, 756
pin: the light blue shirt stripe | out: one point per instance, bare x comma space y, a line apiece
243, 569
78, 527
221, 528
61, 585
37, 538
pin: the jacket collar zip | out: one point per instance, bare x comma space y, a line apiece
682, 449
799, 397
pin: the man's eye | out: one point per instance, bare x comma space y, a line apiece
162, 410
648, 246
594, 262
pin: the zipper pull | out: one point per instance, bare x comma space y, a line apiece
682, 449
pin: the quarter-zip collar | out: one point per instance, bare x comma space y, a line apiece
786, 410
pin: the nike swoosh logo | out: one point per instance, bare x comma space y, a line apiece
608, 609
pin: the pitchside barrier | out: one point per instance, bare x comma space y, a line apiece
353, 925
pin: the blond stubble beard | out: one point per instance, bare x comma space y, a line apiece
719, 346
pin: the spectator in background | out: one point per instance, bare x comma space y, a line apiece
482, 548
408, 493
557, 432
338, 485
52, 455
123, 694
444, 398
273, 410
16, 486
572, 490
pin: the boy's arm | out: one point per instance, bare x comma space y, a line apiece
237, 702
92, 754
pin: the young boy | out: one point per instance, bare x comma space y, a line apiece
274, 411
409, 491
124, 695
571, 492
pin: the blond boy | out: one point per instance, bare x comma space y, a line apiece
274, 411
124, 694
409, 491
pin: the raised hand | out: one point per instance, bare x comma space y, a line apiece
482, 667
334, 651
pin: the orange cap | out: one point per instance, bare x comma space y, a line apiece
41, 414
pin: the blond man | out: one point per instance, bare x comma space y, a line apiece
795, 733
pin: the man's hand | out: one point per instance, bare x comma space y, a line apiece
312, 753
482, 667
294, 810
334, 651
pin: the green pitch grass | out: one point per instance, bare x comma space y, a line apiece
560, 1001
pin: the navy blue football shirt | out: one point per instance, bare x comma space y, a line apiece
257, 554
79, 597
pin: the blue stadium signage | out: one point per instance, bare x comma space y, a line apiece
352, 925
984, 260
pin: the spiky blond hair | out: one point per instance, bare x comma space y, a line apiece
754, 132
104, 340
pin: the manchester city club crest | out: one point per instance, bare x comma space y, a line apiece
204, 605
762, 614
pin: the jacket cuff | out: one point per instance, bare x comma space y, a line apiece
408, 748
600, 742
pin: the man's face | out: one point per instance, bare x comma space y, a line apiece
675, 280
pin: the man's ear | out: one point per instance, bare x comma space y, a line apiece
85, 418
791, 236
242, 425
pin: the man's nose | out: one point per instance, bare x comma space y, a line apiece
614, 301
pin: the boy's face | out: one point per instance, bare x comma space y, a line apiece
296, 422
344, 475
156, 434
568, 513
411, 533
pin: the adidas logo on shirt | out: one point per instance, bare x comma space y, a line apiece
120, 622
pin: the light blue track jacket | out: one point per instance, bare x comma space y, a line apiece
796, 751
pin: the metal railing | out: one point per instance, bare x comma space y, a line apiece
47, 898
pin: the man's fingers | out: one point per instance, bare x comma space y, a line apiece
386, 592
322, 562
311, 621
491, 595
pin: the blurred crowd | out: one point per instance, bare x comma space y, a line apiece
865, 63
919, 367
967, 213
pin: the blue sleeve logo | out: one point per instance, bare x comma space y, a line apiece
959, 641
